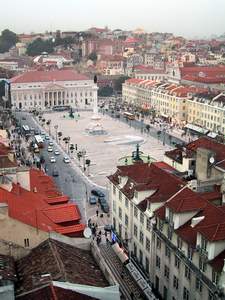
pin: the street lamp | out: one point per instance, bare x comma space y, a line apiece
56, 132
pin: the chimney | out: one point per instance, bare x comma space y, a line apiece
35, 190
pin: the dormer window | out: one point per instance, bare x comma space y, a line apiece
215, 277
203, 243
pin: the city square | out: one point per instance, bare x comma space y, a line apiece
105, 150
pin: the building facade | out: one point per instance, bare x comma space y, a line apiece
46, 89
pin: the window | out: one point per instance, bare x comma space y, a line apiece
190, 253
165, 292
185, 294
167, 251
202, 264
198, 285
120, 196
135, 212
126, 219
157, 262
175, 282
179, 243
161, 225
167, 272
114, 206
141, 257
26, 243
158, 243
135, 230
126, 203
177, 262
141, 237
215, 277
147, 244
148, 224
211, 296
114, 190
146, 264
142, 218
120, 213
204, 243
136, 194
169, 232
187, 273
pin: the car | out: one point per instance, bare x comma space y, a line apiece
97, 193
102, 200
108, 227
47, 137
36, 132
52, 159
55, 172
23, 118
66, 160
50, 144
92, 200
50, 149
105, 207
57, 152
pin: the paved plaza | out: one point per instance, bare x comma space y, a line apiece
104, 151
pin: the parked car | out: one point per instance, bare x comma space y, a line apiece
55, 172
97, 193
50, 144
52, 159
47, 137
92, 200
105, 207
57, 152
66, 160
50, 149
102, 200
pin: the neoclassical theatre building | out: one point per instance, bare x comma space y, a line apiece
46, 89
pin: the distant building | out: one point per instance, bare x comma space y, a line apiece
46, 89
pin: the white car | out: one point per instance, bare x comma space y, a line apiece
57, 152
66, 160
50, 149
47, 137
50, 144
52, 159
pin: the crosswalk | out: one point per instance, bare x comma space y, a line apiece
128, 287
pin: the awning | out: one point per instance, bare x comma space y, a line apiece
120, 252
212, 134
196, 128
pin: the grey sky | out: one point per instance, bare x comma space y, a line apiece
184, 17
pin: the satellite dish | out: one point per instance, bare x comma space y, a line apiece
87, 232
211, 160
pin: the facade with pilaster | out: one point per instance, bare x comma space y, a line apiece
46, 89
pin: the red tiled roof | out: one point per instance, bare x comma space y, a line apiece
62, 213
218, 262
186, 200
33, 208
213, 232
46, 76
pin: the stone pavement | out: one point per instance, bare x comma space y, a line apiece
104, 156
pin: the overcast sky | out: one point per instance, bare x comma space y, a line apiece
190, 18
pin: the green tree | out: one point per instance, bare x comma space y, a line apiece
93, 56
119, 81
39, 45
105, 91
7, 40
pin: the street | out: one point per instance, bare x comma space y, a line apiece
69, 181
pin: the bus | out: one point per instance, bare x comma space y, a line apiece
25, 129
129, 116
39, 141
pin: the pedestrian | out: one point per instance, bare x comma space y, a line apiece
105, 233
107, 240
100, 233
97, 212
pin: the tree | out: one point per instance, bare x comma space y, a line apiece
38, 46
105, 91
119, 81
93, 56
7, 40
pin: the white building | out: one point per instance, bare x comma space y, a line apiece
46, 89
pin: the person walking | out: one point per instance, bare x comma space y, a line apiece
97, 212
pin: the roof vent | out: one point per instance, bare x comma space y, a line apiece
196, 220
35, 190
131, 185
